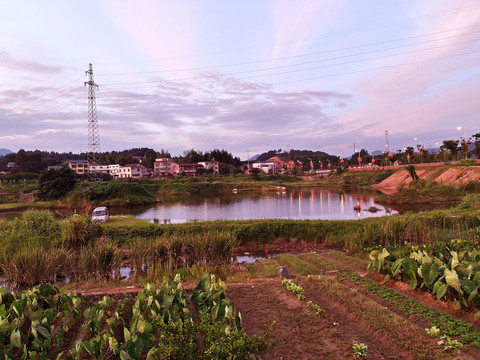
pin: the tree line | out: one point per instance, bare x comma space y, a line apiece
37, 161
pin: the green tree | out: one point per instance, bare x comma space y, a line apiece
476, 142
21, 160
452, 147
53, 184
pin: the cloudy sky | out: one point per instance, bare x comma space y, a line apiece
244, 76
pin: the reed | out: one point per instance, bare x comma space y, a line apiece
79, 231
98, 261
36, 265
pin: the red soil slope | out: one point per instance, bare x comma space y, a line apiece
454, 176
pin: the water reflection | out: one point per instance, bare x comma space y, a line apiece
297, 205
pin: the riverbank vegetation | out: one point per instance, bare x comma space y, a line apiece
128, 192
40, 247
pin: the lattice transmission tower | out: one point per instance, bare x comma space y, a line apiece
93, 134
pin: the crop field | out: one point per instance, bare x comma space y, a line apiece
328, 307
414, 294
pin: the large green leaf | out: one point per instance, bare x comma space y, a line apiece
451, 278
397, 266
429, 273
455, 261
410, 267
15, 338
441, 290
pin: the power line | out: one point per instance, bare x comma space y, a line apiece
47, 93
287, 72
304, 55
377, 68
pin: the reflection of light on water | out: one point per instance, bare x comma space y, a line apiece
312, 202
334, 206
300, 204
321, 201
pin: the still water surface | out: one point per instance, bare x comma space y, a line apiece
295, 205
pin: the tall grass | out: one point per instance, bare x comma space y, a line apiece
96, 250
35, 265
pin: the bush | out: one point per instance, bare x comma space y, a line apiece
471, 187
468, 162
54, 184
79, 231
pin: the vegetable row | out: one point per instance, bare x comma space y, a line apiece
47, 323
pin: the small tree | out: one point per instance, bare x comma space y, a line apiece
476, 142
53, 184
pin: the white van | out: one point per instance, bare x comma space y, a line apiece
100, 214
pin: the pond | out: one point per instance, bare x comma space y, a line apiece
310, 204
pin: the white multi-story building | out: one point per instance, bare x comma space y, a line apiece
268, 167
105, 169
132, 171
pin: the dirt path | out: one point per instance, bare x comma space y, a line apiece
297, 332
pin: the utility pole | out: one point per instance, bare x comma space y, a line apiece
387, 146
93, 135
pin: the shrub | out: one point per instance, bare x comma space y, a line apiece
79, 231
53, 184
468, 162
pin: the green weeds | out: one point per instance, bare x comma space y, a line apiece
299, 265
448, 324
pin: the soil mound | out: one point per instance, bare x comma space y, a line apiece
454, 176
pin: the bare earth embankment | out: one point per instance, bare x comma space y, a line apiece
440, 175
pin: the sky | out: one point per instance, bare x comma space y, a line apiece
245, 76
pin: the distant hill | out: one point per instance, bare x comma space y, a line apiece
254, 157
4, 152
294, 155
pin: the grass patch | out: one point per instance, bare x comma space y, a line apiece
300, 266
448, 324
379, 318
267, 268
355, 261
323, 263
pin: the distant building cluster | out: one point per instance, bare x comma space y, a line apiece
162, 167
168, 167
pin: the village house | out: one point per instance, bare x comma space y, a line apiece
112, 169
189, 169
78, 166
268, 167
210, 165
165, 167
132, 171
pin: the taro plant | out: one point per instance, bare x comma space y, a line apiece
433, 331
291, 286
359, 350
316, 309
449, 343
449, 270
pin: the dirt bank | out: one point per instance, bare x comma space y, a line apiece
441, 175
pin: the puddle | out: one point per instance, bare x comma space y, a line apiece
250, 258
